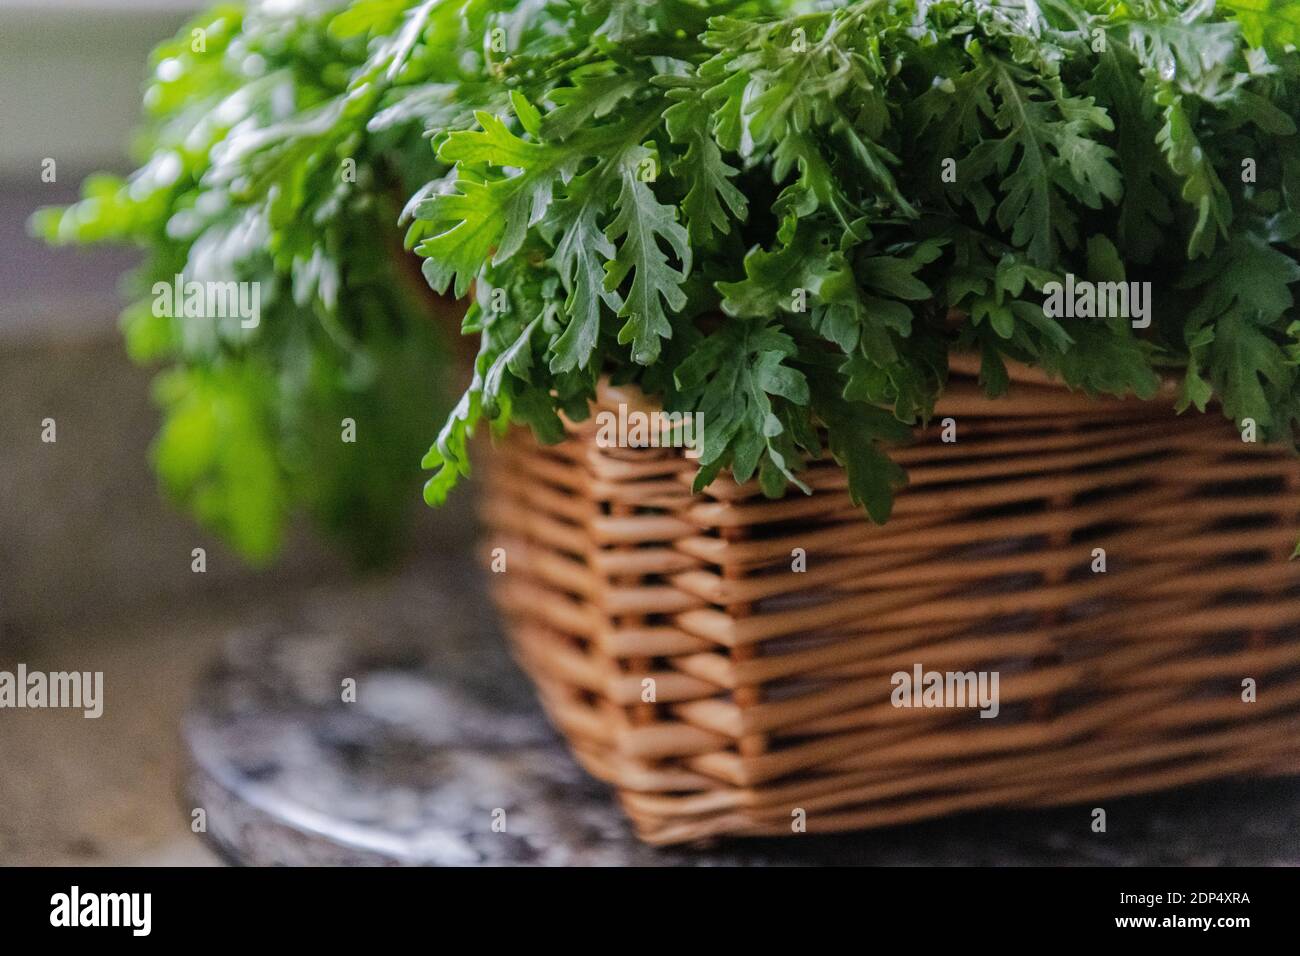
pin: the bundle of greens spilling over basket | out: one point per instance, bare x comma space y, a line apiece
922, 286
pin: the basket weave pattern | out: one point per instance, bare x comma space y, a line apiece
772, 687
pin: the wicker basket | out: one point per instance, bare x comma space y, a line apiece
772, 687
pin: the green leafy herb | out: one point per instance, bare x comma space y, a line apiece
782, 215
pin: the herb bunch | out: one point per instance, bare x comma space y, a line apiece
270, 156
783, 216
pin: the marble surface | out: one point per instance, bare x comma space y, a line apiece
445, 735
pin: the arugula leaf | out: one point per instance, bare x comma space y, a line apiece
580, 257
857, 431
643, 223
597, 90
488, 219
1242, 293
712, 199
1145, 210
1050, 132
735, 380
1202, 187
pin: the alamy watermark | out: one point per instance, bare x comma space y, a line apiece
35, 690
133, 911
1083, 299
632, 428
209, 300
922, 688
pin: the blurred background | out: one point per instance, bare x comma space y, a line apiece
95, 564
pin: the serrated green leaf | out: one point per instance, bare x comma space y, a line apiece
640, 230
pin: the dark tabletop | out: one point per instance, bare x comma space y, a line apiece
445, 734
